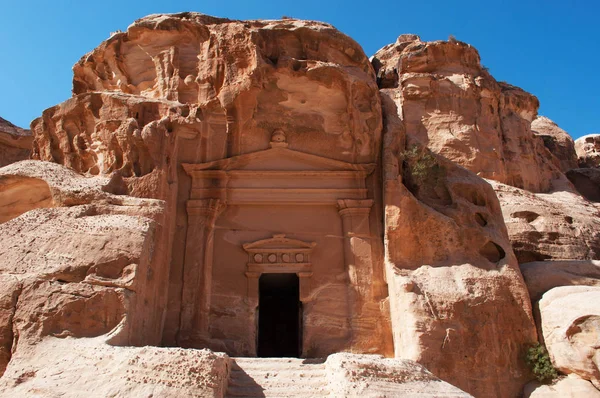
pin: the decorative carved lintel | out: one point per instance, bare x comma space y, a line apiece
278, 255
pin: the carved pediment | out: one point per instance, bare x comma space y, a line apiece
278, 175
279, 159
279, 254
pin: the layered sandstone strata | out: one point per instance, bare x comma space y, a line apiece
15, 143
76, 367
558, 225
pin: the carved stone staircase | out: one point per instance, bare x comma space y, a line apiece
277, 377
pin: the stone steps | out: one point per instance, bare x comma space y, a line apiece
277, 377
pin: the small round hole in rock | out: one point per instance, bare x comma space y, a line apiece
481, 219
492, 251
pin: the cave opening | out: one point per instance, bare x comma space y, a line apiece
279, 316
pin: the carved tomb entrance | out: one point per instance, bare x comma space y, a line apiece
280, 211
279, 316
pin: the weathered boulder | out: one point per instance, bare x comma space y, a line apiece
587, 182
567, 387
83, 264
15, 143
70, 367
555, 226
542, 276
450, 103
450, 266
588, 150
557, 140
352, 375
570, 318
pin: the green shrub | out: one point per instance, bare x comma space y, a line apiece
422, 165
539, 362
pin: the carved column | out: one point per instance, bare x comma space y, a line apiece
197, 273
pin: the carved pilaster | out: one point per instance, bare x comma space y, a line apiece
197, 273
357, 231
359, 264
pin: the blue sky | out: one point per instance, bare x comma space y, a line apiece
550, 48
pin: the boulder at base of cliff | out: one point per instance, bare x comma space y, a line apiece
72, 368
567, 387
570, 318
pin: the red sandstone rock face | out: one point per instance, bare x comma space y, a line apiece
76, 263
558, 142
451, 104
15, 143
587, 182
571, 327
243, 79
450, 265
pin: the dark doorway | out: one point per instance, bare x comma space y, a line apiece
279, 316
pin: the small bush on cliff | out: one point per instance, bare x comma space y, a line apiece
423, 166
539, 362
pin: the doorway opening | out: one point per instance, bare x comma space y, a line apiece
279, 316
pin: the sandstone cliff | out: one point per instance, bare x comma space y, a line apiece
450, 265
438, 95
15, 143
451, 104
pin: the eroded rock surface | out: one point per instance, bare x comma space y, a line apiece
451, 104
186, 110
15, 143
542, 276
88, 367
374, 376
450, 265
557, 140
571, 327
587, 182
243, 79
588, 150
559, 225
76, 264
